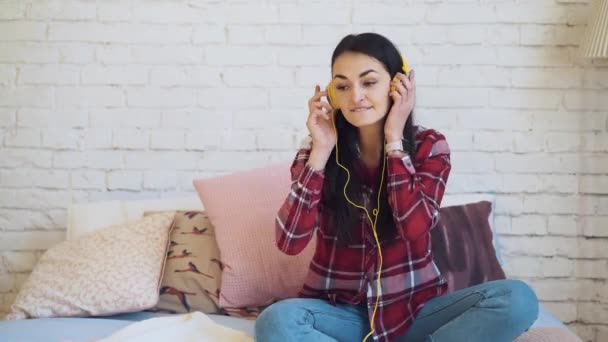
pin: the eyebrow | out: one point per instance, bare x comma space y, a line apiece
360, 75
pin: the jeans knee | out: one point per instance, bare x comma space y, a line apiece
523, 304
286, 315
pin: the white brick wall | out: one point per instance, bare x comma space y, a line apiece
95, 97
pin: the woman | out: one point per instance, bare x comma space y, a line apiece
397, 174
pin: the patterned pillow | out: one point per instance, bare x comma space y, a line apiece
192, 277
193, 269
113, 270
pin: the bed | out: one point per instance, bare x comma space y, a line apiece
86, 217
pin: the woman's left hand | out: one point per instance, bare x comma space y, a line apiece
404, 99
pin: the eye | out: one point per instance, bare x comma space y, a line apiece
341, 87
370, 83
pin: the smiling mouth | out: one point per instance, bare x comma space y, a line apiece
360, 109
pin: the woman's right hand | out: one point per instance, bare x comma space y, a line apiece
320, 123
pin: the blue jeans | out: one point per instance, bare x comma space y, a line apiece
496, 311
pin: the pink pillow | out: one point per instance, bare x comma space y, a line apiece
242, 207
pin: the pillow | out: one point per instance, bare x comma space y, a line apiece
462, 246
113, 270
460, 199
243, 206
191, 281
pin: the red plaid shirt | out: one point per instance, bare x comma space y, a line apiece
348, 274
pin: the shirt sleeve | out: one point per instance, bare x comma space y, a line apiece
415, 193
297, 217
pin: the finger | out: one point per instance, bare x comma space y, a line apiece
399, 87
319, 95
396, 97
321, 111
329, 113
405, 80
325, 115
410, 87
410, 84
413, 80
322, 104
316, 92
316, 97
317, 113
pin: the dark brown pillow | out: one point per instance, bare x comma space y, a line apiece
462, 246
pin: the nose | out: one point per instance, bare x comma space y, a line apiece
358, 94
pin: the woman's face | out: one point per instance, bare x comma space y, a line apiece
362, 87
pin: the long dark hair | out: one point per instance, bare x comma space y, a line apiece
343, 216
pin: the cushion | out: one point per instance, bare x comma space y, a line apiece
113, 270
243, 206
191, 281
462, 246
460, 199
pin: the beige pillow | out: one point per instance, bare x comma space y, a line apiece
193, 269
113, 270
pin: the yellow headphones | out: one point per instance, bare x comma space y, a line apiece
331, 97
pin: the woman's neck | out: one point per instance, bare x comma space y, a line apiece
371, 143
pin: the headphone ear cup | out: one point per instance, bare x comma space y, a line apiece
406, 70
331, 95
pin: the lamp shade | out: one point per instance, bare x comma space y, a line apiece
595, 41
